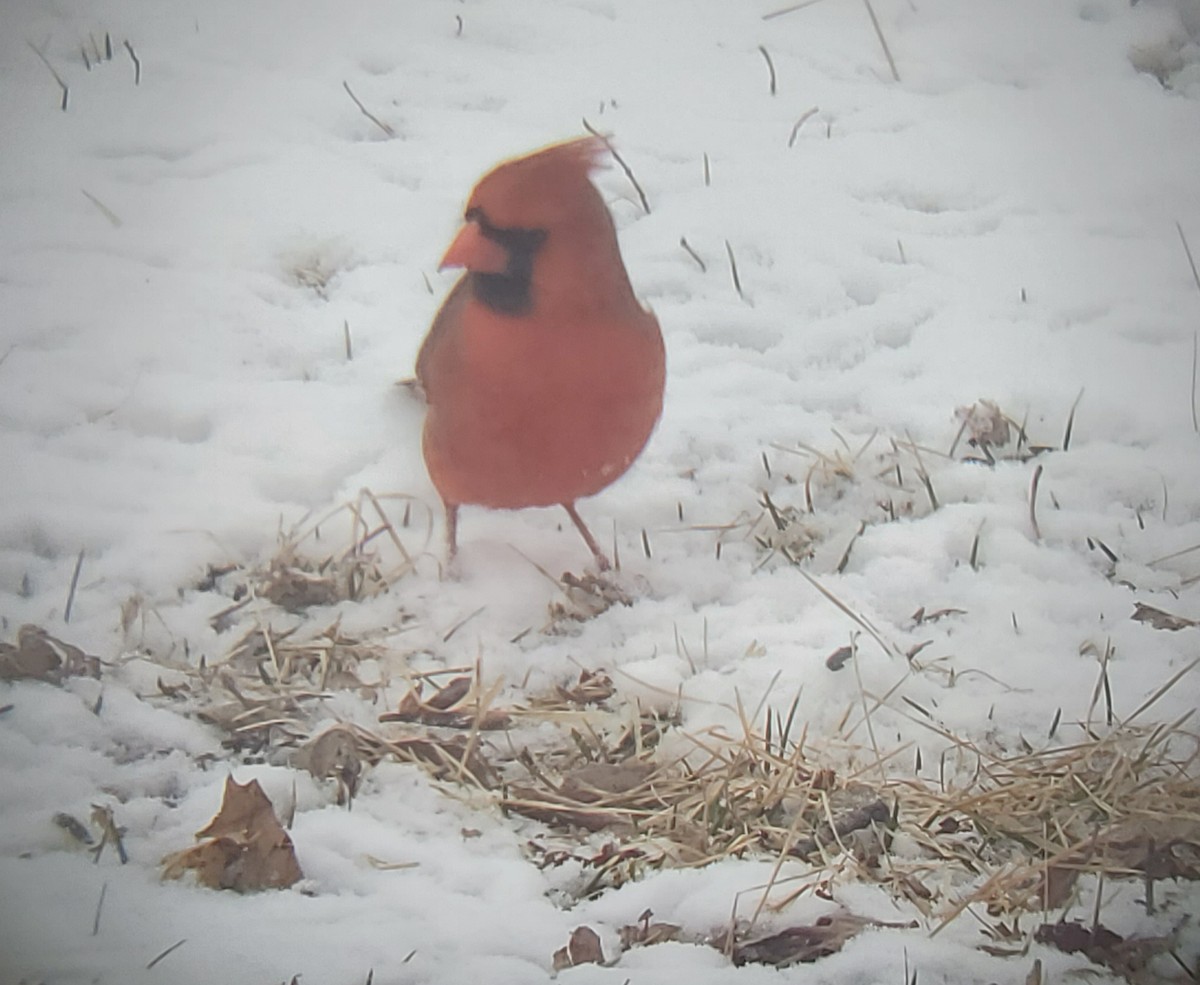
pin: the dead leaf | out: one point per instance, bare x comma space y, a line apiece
595, 782
592, 688
244, 847
39, 656
645, 934
74, 827
587, 596
453, 706
1127, 956
801, 944
583, 948
1158, 619
985, 423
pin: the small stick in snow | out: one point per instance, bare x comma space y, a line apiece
799, 123
788, 10
99, 907
108, 46
1195, 277
108, 213
459, 25
693, 254
841, 565
137, 62
66, 92
1033, 491
1195, 343
645, 543
1071, 422
707, 171
1054, 724
974, 560
922, 472
179, 943
737, 281
621, 161
74, 585
770, 65
346, 336
366, 112
900, 248
882, 40
87, 62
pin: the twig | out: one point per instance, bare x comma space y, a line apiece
770, 65
1195, 277
137, 63
799, 123
974, 560
1071, 422
57, 78
621, 161
1033, 491
693, 254
104, 209
707, 171
346, 335
737, 282
1188, 250
841, 565
74, 584
177, 944
366, 112
1195, 343
99, 907
882, 40
788, 10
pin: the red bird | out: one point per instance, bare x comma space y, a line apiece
543, 374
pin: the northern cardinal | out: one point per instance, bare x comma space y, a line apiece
542, 372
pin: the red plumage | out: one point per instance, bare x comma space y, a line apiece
543, 374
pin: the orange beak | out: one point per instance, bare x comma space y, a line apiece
474, 251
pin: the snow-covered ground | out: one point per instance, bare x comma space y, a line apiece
187, 245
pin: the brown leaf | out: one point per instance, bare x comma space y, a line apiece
645, 934
587, 596
985, 423
448, 708
39, 656
594, 782
1158, 619
449, 696
1125, 956
808, 943
583, 948
593, 687
244, 846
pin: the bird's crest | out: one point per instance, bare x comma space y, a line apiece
519, 191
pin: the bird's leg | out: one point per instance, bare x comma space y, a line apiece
601, 560
451, 531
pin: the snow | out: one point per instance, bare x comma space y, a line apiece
179, 259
